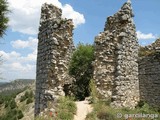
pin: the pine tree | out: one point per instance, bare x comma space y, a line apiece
3, 17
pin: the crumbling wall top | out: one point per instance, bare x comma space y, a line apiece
124, 15
52, 15
50, 12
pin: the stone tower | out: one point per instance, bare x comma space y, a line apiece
116, 54
55, 46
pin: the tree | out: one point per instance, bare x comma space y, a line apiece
20, 114
13, 104
3, 20
1, 61
82, 70
3, 16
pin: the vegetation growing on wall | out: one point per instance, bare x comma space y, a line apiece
143, 51
152, 49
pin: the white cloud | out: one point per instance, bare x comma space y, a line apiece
17, 65
25, 14
69, 12
30, 43
4, 55
14, 57
7, 56
144, 36
19, 44
32, 56
16, 70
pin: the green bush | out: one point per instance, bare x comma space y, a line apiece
140, 104
20, 114
23, 98
91, 116
82, 70
6, 104
66, 109
13, 104
26, 96
102, 111
63, 115
13, 118
104, 115
12, 113
1, 100
71, 107
31, 95
67, 104
93, 91
29, 100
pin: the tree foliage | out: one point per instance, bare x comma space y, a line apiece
82, 70
3, 16
27, 96
13, 104
12, 111
3, 20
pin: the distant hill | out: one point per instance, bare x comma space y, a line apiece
2, 83
15, 85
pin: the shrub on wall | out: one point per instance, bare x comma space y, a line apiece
145, 52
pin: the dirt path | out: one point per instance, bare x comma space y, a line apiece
83, 108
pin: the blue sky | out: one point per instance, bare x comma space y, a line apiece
19, 47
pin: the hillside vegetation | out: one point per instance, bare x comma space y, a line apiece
18, 104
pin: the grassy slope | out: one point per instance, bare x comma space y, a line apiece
27, 109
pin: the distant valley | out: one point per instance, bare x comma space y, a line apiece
6, 87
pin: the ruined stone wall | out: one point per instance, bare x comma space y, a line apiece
55, 46
116, 54
149, 77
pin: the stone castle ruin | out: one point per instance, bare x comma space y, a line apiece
116, 55
119, 73
55, 47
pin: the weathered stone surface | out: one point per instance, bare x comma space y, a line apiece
55, 47
115, 66
149, 76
